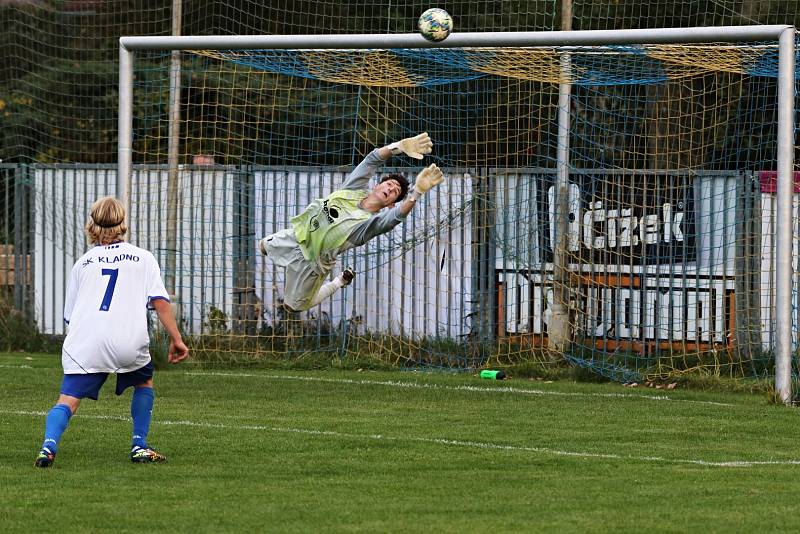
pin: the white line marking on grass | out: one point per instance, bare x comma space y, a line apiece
417, 385
439, 441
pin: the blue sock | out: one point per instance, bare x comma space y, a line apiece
141, 411
55, 425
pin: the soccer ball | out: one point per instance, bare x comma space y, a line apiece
435, 24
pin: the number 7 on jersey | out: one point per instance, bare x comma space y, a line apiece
112, 282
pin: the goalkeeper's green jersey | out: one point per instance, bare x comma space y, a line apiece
327, 222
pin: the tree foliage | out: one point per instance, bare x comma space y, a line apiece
58, 76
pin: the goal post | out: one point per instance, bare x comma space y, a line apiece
551, 56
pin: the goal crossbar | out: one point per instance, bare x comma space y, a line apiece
458, 40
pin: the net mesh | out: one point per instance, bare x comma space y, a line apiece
468, 279
668, 256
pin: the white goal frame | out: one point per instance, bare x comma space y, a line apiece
783, 34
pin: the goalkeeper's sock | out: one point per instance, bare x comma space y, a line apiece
141, 412
328, 289
55, 425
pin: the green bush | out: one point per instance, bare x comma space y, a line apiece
19, 332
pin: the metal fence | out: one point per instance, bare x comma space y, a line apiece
448, 266
223, 212
16, 238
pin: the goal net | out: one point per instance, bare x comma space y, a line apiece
653, 257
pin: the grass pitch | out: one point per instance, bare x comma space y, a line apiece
335, 451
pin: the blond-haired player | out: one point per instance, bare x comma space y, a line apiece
110, 289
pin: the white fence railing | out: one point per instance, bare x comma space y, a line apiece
416, 280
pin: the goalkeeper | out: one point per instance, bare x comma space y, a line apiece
347, 218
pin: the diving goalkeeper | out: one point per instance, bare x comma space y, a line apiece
347, 218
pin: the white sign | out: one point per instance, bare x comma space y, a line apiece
642, 308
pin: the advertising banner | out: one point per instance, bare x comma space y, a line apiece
627, 218
650, 256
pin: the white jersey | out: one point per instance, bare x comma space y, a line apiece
109, 291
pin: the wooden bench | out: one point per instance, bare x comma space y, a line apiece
8, 266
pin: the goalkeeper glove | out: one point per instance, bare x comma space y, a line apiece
427, 179
415, 146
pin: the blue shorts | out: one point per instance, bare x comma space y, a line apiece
88, 385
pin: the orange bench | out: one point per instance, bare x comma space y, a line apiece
8, 266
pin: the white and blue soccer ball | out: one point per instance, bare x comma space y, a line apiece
435, 24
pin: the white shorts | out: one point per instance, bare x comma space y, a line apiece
303, 278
